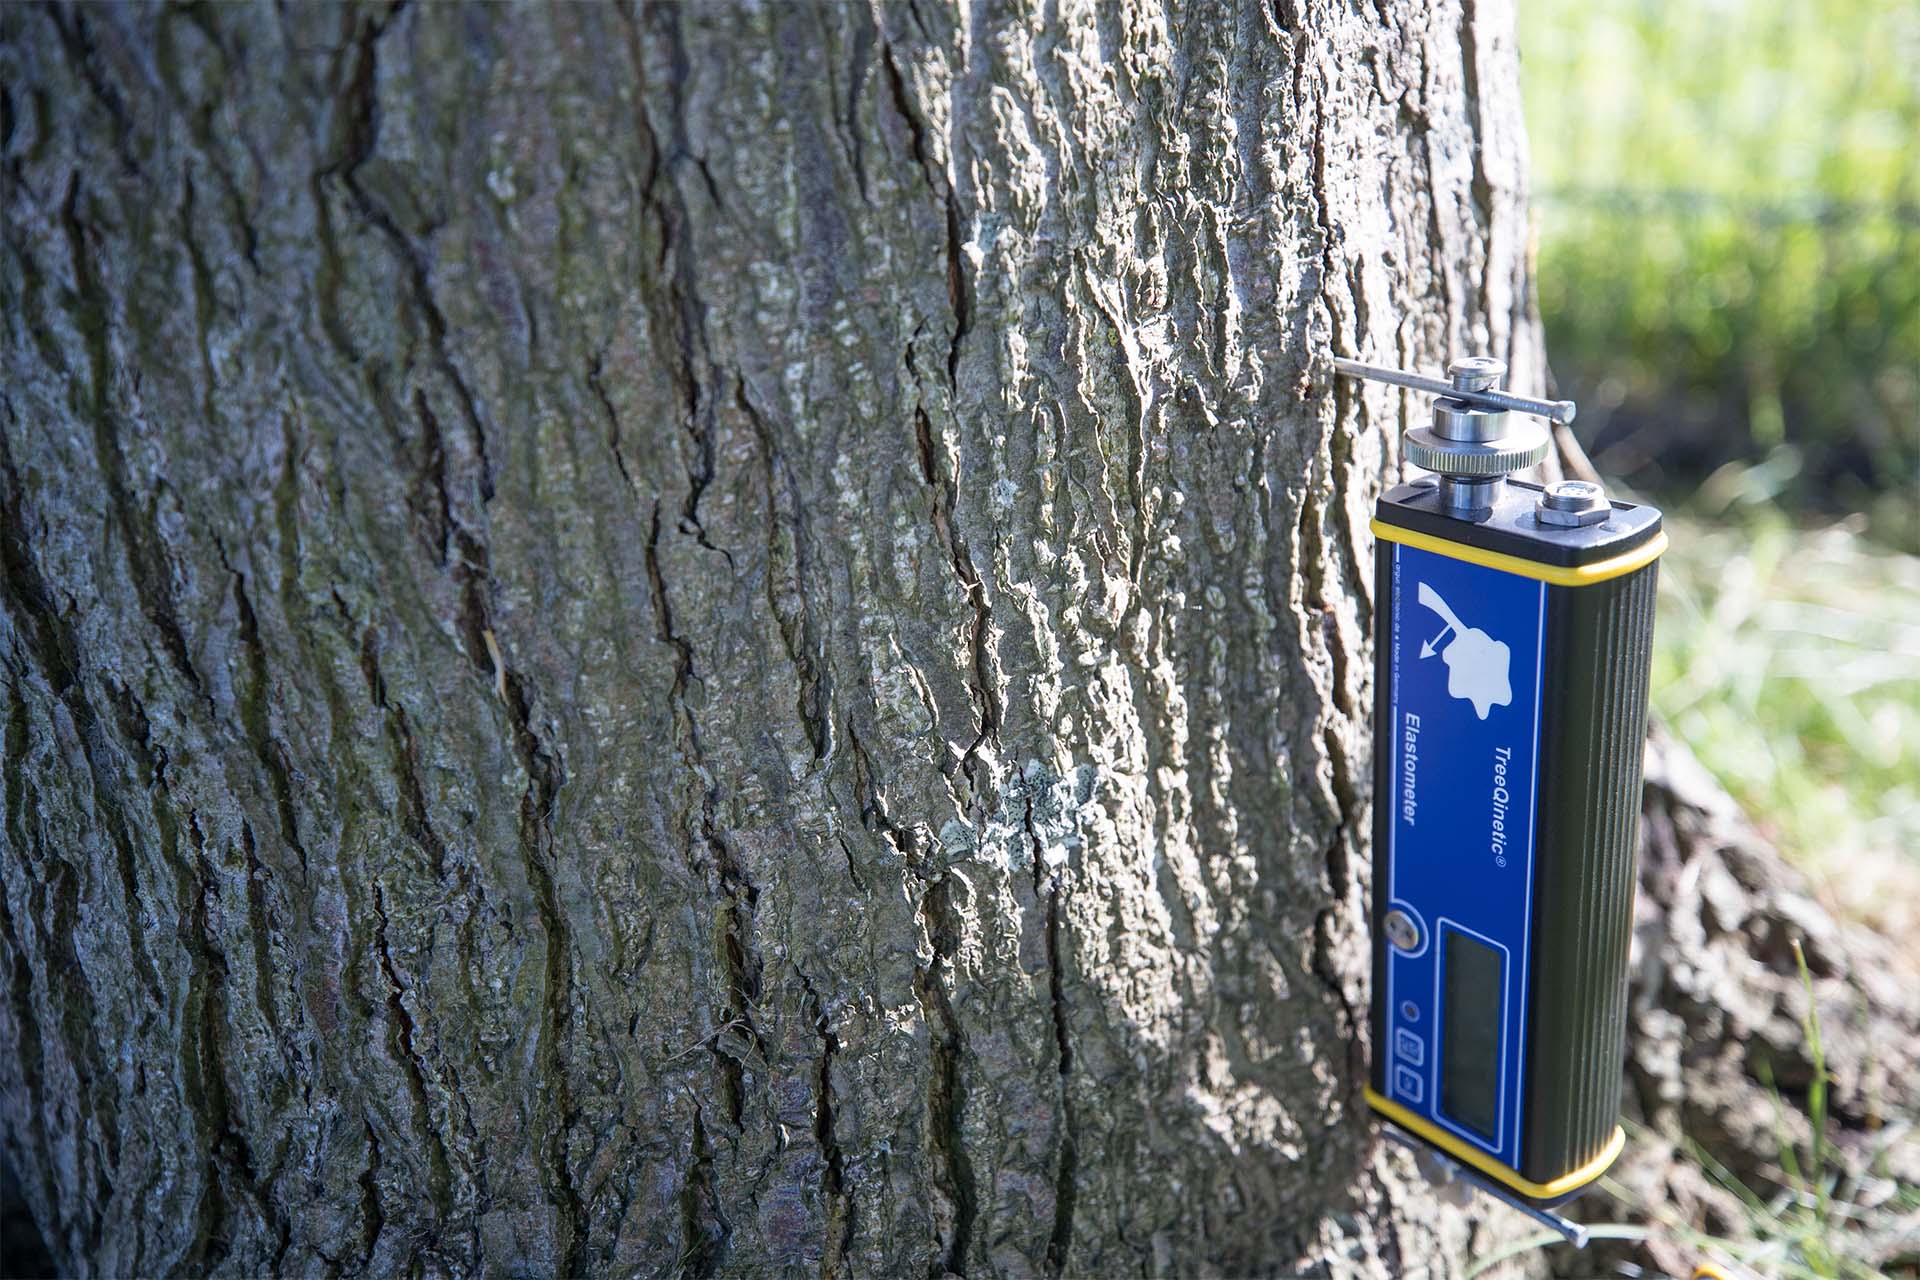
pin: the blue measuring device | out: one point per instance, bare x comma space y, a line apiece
1514, 627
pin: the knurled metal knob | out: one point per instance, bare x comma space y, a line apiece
1523, 445
1471, 439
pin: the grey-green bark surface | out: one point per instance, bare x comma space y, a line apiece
712, 639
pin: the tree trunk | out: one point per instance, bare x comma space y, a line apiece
713, 639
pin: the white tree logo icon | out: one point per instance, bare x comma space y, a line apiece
1476, 662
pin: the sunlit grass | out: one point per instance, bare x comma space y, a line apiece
1727, 195
1788, 659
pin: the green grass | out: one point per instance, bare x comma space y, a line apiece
1728, 201
1788, 659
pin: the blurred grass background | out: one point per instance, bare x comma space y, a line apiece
1727, 197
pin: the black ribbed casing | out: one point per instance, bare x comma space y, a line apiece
1598, 653
1593, 737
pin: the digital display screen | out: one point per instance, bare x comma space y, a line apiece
1471, 1011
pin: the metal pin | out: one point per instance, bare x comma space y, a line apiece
1553, 410
1449, 1169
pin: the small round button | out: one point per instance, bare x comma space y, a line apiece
1402, 932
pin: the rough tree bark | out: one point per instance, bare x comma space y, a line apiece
713, 639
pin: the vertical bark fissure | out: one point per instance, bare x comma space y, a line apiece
835, 1192
941, 486
739, 962
1066, 1175
256, 716
361, 107
71, 22
146, 547
228, 1154
29, 1051
373, 1218
430, 495
789, 547
858, 69
260, 925
947, 1089
873, 807
415, 820
537, 844
942, 491
1481, 186
596, 367
402, 1034
703, 1247
473, 570
203, 300
685, 322
1326, 946
956, 291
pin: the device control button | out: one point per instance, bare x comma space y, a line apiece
1401, 930
1408, 1085
1410, 1047
1410, 1011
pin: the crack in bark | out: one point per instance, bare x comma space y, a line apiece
29, 1050
789, 548
704, 1227
833, 1181
596, 368
947, 1091
1481, 185
260, 925
1393, 1251
147, 562
957, 298
373, 1218
228, 1154
664, 632
916, 128
739, 959
30, 599
1340, 880
199, 119
873, 807
203, 299
403, 1032
864, 37
415, 820
1066, 1187
943, 488
430, 497
361, 109
943, 492
942, 186
256, 718
472, 569
684, 318
536, 840
70, 21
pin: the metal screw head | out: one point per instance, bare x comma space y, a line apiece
1401, 931
1572, 504
1477, 373
1571, 495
